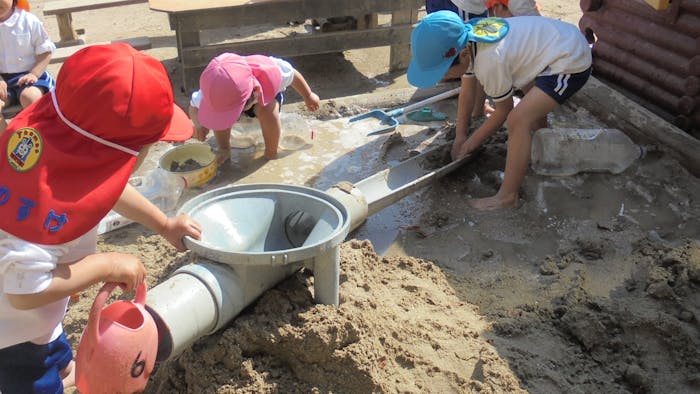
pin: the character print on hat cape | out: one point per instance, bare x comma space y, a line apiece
24, 148
487, 30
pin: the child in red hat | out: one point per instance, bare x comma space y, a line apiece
64, 164
232, 85
26, 52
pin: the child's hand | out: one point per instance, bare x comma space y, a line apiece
312, 102
3, 90
127, 270
462, 148
27, 79
179, 226
200, 133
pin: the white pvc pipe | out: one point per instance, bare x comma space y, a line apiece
199, 299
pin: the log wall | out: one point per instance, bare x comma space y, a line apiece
652, 54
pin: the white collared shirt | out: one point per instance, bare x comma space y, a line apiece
22, 38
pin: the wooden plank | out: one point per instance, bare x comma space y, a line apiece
642, 125
282, 11
67, 6
194, 59
61, 54
306, 44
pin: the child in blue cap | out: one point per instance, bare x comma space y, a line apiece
549, 60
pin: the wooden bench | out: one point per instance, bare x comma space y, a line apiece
61, 54
63, 10
189, 18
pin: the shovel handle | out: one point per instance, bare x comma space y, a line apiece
429, 100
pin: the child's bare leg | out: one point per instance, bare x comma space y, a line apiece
68, 375
271, 126
29, 95
522, 121
223, 141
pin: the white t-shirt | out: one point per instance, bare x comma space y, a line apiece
534, 46
25, 268
286, 70
22, 38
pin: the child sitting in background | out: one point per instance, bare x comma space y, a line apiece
549, 60
64, 163
231, 85
26, 52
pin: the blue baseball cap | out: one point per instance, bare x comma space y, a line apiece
437, 39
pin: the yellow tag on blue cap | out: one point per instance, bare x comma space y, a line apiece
486, 29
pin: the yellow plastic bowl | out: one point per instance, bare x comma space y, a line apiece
181, 160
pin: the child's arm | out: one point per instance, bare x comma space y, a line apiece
138, 208
465, 105
271, 126
487, 129
200, 132
42, 61
310, 98
75, 277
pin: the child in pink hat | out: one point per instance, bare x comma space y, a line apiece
232, 85
65, 161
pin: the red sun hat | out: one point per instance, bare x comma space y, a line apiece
65, 160
228, 81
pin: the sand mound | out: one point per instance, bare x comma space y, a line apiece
399, 328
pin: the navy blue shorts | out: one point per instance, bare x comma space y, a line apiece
251, 111
562, 86
31, 368
45, 83
438, 5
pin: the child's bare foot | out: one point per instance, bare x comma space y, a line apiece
200, 133
495, 202
222, 156
68, 375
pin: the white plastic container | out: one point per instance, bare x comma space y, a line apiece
565, 152
160, 187
296, 132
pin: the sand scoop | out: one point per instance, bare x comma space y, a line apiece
389, 119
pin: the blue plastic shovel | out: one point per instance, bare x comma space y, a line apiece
389, 118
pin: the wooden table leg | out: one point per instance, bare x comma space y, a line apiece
400, 55
186, 39
66, 32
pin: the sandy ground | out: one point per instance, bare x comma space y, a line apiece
590, 286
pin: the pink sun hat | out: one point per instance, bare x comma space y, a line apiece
228, 81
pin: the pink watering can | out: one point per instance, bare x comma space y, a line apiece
117, 351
